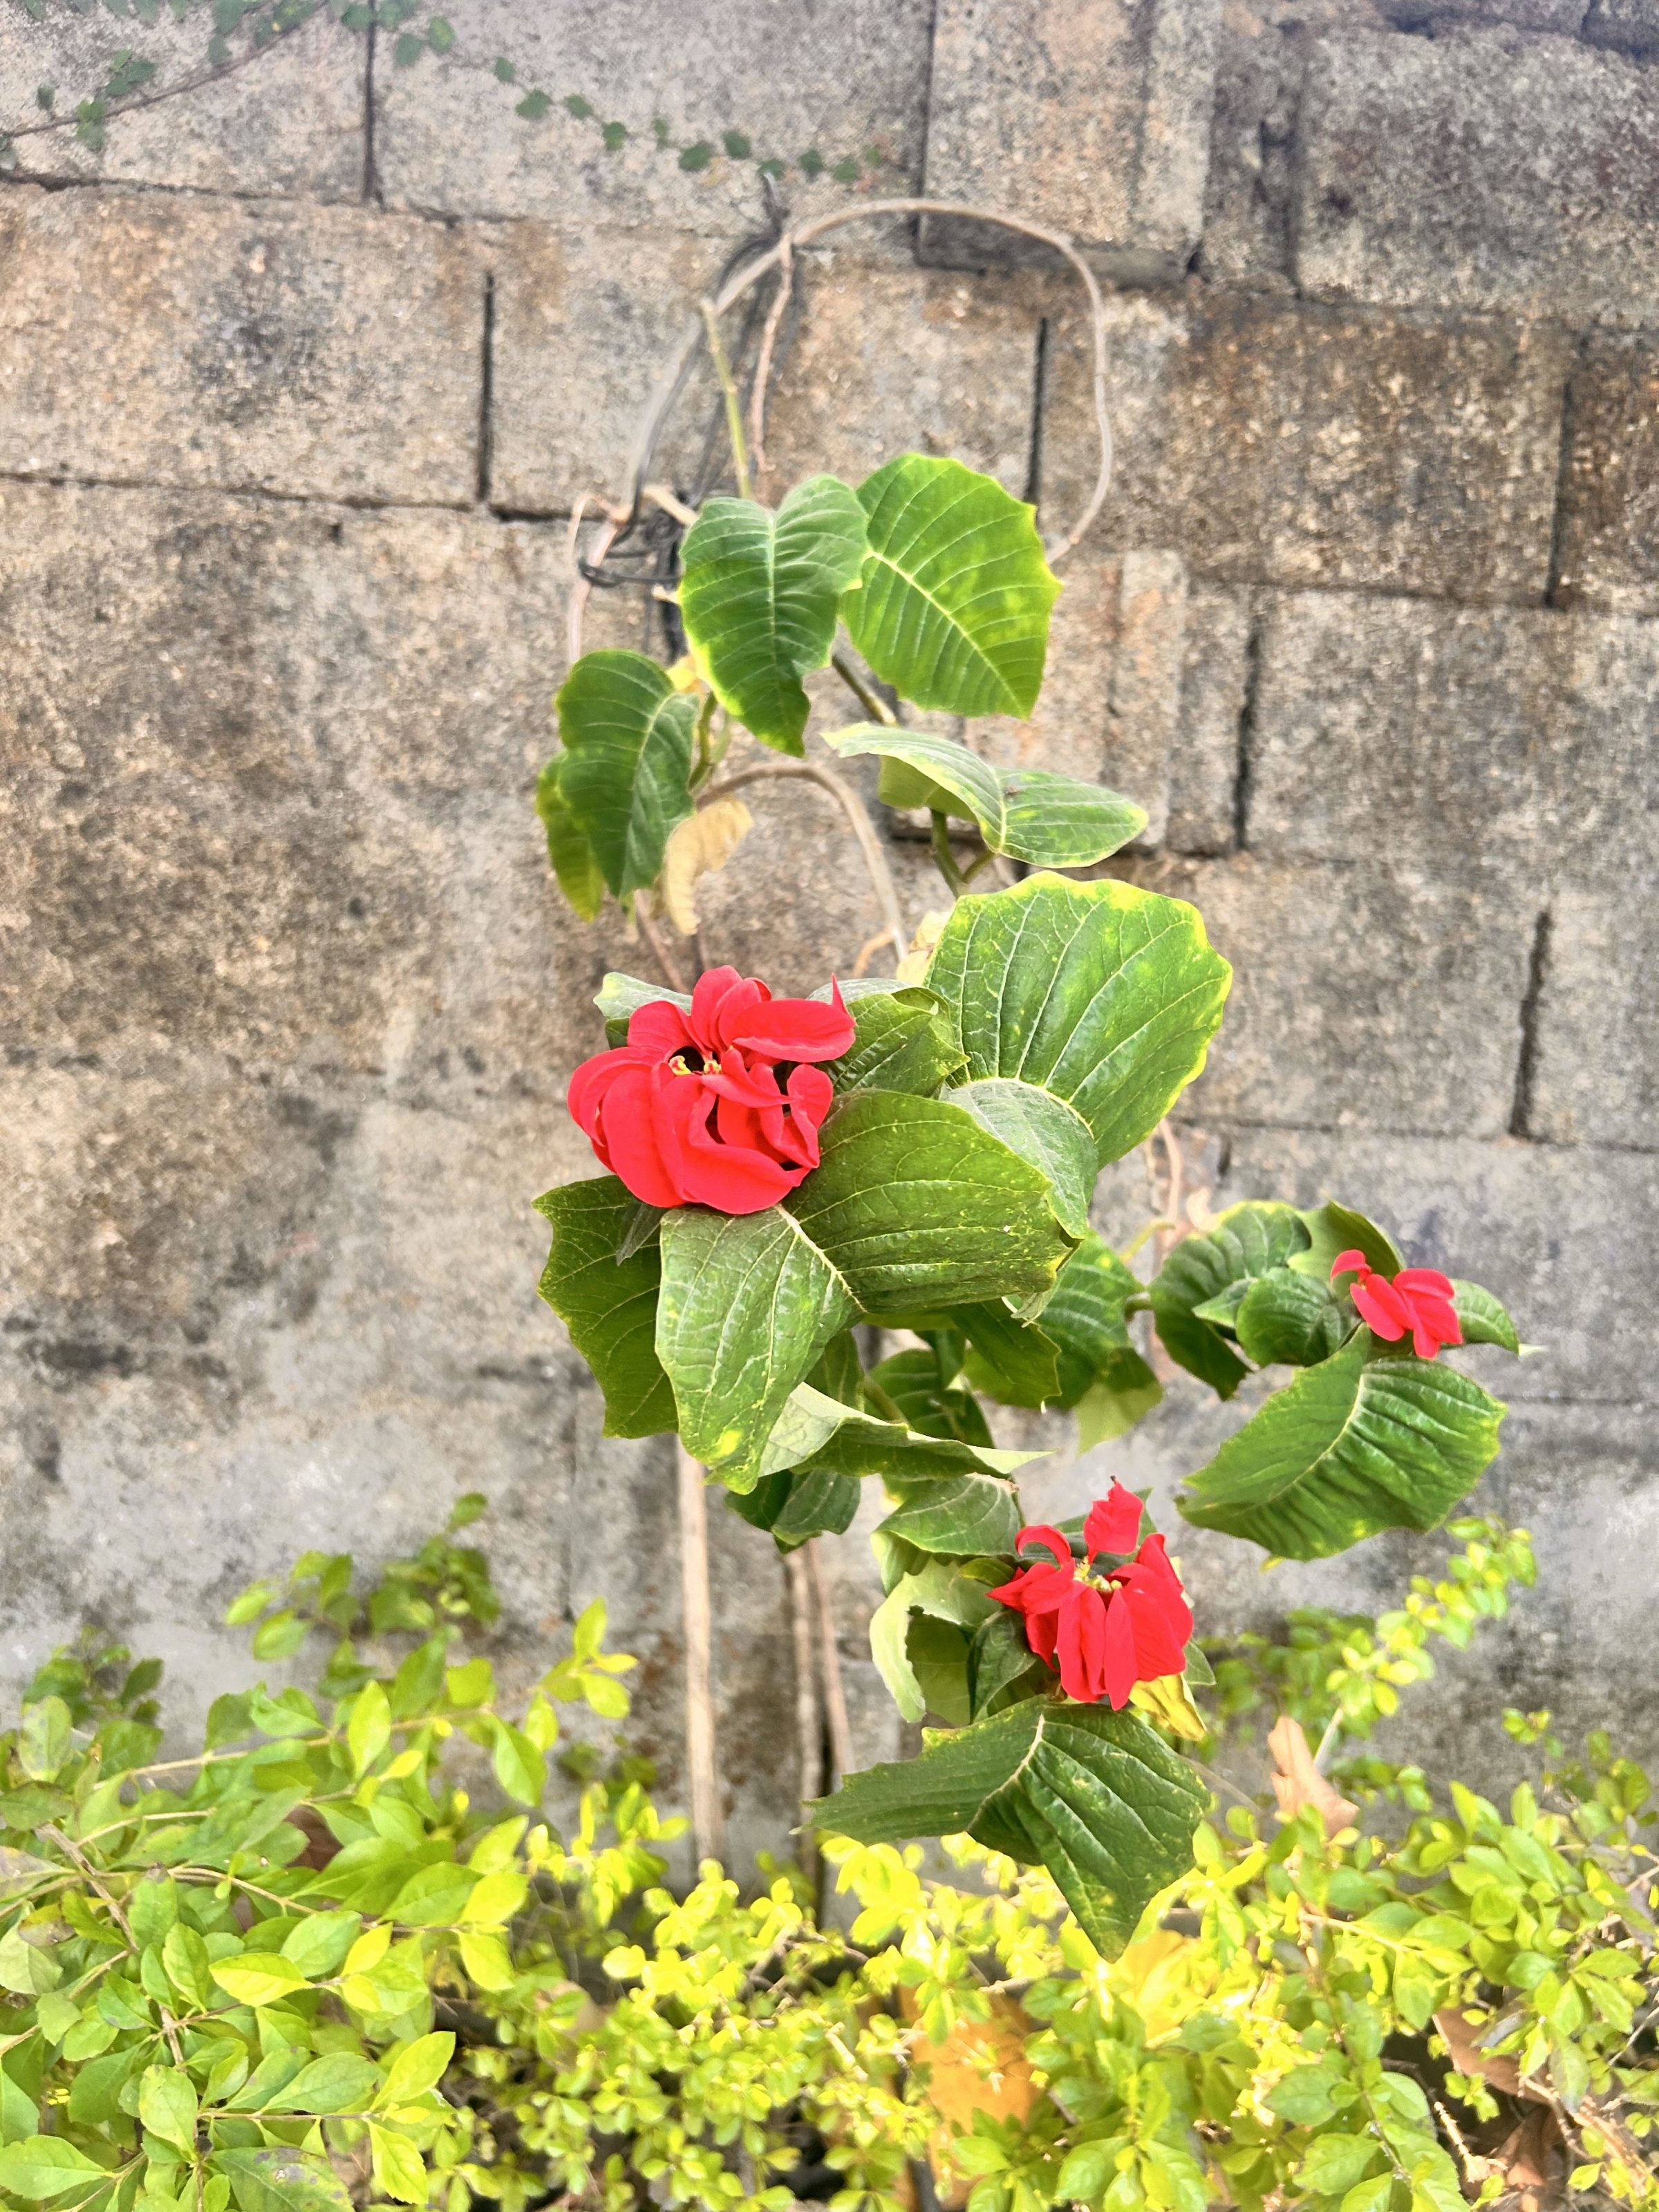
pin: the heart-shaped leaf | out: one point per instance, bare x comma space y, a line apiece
1354, 1445
609, 1306
1333, 1230
1101, 1373
1197, 1293
623, 779
954, 608
1092, 1794
901, 1042
1104, 996
1046, 1131
576, 863
747, 1303
1031, 814
760, 595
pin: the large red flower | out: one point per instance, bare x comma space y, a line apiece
1104, 1632
717, 1106
1418, 1300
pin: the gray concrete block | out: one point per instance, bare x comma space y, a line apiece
1100, 110
291, 122
1111, 696
1203, 762
1280, 443
1567, 1238
1595, 1077
1608, 532
1484, 170
1364, 996
1630, 26
1523, 737
788, 76
325, 352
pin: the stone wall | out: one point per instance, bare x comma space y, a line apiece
300, 379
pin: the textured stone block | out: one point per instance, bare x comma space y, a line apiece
289, 123
1595, 1080
789, 77
1568, 1239
1631, 27
1100, 110
1480, 170
1609, 536
1296, 444
1523, 737
1111, 696
323, 352
1362, 996
1204, 763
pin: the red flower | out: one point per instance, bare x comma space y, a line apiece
1107, 1633
1419, 1301
718, 1106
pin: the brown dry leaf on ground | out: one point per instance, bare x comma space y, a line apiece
1297, 1781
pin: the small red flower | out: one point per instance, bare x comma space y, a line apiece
1419, 1301
717, 1106
1106, 1633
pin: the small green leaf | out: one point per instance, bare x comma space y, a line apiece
615, 136
520, 1767
417, 2068
338, 2082
43, 1741
958, 1516
575, 105
533, 106
1244, 1242
628, 735
166, 2106
953, 608
440, 34
408, 47
901, 1042
941, 1592
1335, 2163
574, 862
1290, 1319
1044, 1130
1086, 1317
1333, 1230
697, 157
1015, 1362
759, 599
932, 1404
1484, 1320
735, 145
317, 1945
41, 2168
275, 2178
609, 1306
369, 1731
258, 1977
506, 71
1053, 821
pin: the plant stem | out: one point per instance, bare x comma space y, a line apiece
809, 1733
729, 393
876, 708
944, 858
875, 861
653, 937
707, 1821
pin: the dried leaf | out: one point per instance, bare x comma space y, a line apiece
701, 846
1297, 1781
912, 969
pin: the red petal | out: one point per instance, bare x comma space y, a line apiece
732, 1178
1039, 1532
1158, 1610
1082, 1644
1381, 1307
1349, 1263
796, 1029
746, 1086
644, 1145
1425, 1282
660, 1029
1114, 1522
588, 1085
1117, 1658
706, 995
810, 1097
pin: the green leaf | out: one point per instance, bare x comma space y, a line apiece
1001, 1666
941, 1592
1031, 814
417, 2068
440, 34
1333, 1230
930, 1404
1290, 1319
369, 1731
42, 2167
620, 997
1087, 1319
1014, 1362
915, 1205
166, 2106
953, 611
628, 737
609, 1306
1245, 1242
574, 862
317, 1945
275, 2178
27, 1968
338, 2082
901, 1042
1335, 2162
43, 1740
1125, 1393
258, 1977
747, 1303
797, 1504
1092, 1794
1484, 1320
519, 1766
759, 597
818, 1431
960, 1516
1044, 1130
1350, 1447
1104, 996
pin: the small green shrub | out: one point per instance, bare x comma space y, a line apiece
304, 1968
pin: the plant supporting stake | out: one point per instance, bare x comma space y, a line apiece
835, 1696
809, 1727
707, 1819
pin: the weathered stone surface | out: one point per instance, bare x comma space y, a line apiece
322, 352
1609, 533
1099, 109
1297, 444
1595, 1080
891, 361
1362, 996
291, 122
1509, 736
1569, 1239
1631, 27
789, 77
1205, 760
1111, 696
1480, 170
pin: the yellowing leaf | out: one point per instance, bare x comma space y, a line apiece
258, 1977
701, 846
